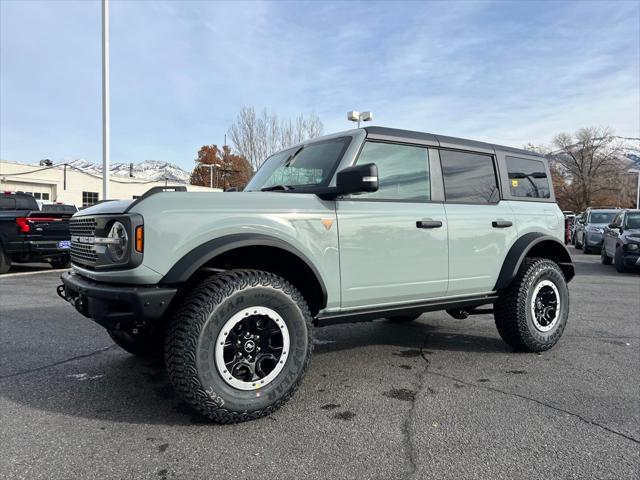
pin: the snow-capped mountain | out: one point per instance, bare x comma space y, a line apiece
149, 170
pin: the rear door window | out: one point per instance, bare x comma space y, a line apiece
469, 177
527, 178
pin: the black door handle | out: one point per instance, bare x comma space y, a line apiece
428, 224
501, 224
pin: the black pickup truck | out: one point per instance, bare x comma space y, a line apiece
28, 234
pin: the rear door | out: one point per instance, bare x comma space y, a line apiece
393, 242
481, 226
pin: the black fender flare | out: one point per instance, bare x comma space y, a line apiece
184, 268
549, 247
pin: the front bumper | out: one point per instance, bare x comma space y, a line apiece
593, 240
115, 306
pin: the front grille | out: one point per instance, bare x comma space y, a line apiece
83, 226
83, 253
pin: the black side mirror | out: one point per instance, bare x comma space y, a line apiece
612, 225
357, 179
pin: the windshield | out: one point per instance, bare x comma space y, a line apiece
601, 217
633, 220
308, 166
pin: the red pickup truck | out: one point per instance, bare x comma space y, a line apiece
28, 234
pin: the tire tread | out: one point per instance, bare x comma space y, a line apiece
510, 309
188, 320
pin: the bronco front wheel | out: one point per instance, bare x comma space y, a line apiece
238, 345
532, 312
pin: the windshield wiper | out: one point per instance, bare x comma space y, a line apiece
273, 188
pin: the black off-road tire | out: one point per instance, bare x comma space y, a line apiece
145, 345
5, 261
618, 260
604, 258
404, 318
191, 341
513, 315
60, 262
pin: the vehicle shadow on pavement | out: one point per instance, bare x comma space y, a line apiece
410, 335
113, 386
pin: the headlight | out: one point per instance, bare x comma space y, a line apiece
118, 242
632, 246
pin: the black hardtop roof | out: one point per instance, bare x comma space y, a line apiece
410, 135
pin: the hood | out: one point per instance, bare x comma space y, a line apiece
259, 202
110, 207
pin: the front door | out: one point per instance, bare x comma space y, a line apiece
393, 242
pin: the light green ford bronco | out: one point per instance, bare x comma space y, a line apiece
366, 224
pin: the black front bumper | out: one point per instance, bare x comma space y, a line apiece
115, 306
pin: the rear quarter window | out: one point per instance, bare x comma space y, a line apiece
528, 178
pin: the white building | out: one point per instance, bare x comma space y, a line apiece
72, 186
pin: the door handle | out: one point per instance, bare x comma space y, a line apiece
428, 224
501, 224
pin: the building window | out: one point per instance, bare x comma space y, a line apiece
527, 178
468, 177
89, 198
37, 195
135, 197
45, 196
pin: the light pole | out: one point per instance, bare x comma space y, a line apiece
355, 116
637, 172
211, 166
105, 100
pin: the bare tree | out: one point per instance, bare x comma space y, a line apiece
257, 136
590, 163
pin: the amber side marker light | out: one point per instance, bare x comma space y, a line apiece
140, 239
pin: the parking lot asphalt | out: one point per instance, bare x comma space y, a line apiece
439, 398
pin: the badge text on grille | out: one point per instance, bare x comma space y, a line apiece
80, 239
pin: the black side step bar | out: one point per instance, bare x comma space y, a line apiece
366, 315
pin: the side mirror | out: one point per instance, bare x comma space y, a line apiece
231, 189
581, 221
357, 179
612, 225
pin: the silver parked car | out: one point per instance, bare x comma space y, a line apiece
591, 225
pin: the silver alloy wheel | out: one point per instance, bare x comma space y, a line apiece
252, 348
545, 305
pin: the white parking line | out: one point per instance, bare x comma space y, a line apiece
20, 274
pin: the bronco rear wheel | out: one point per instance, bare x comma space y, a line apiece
532, 312
238, 345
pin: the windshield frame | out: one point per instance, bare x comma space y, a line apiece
297, 149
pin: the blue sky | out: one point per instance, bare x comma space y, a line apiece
505, 72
